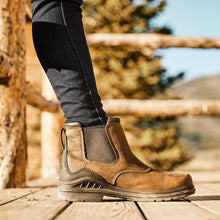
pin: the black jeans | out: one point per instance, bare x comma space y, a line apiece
61, 47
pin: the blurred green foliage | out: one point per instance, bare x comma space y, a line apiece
129, 74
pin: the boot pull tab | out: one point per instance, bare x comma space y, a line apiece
64, 144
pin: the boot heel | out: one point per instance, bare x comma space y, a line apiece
80, 197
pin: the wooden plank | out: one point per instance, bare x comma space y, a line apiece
215, 187
206, 177
180, 210
106, 210
207, 197
205, 189
8, 195
43, 204
44, 182
211, 204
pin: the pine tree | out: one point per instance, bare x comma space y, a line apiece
130, 74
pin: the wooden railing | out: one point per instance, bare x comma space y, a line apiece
12, 128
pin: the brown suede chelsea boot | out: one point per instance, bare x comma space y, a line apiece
97, 162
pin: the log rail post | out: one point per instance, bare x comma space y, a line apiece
12, 94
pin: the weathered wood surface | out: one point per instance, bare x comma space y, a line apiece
180, 210
35, 99
6, 67
153, 41
12, 194
115, 210
152, 108
51, 124
42, 203
162, 108
206, 177
148, 43
12, 98
207, 197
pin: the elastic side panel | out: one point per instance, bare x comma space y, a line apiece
97, 146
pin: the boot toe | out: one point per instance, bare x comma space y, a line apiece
184, 180
153, 181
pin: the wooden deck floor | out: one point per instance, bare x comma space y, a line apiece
41, 203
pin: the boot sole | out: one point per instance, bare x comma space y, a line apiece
91, 191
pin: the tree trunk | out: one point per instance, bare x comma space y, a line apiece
51, 124
12, 99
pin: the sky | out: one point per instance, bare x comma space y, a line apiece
191, 18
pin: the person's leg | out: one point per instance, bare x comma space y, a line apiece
63, 52
96, 160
